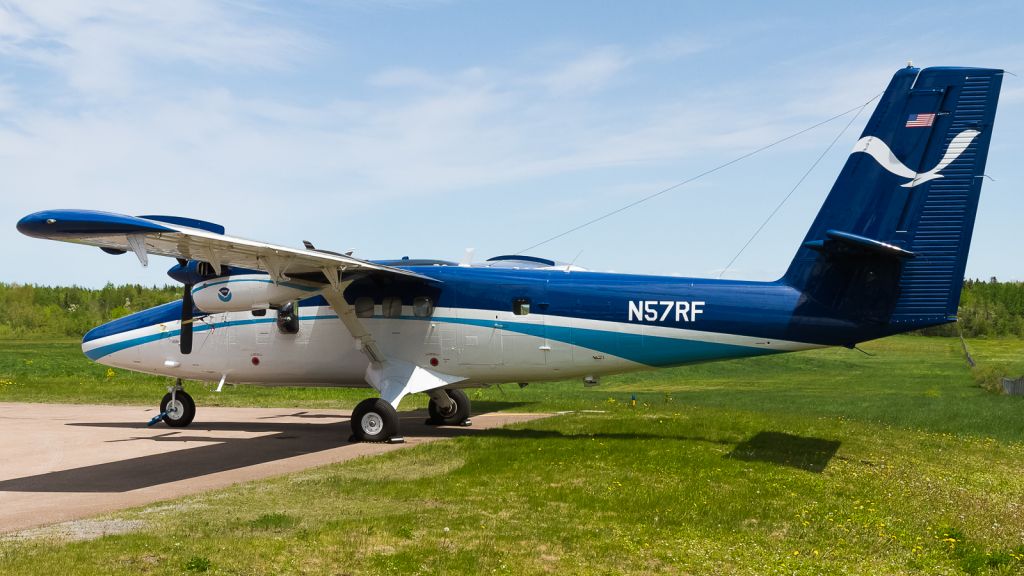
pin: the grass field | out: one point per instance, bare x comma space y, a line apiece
820, 462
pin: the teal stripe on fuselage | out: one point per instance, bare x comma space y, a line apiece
100, 352
643, 349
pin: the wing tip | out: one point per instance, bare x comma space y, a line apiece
57, 224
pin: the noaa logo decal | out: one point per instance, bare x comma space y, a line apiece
224, 294
880, 151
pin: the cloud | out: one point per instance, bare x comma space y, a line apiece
370, 150
8, 97
1012, 95
465, 129
103, 47
675, 48
590, 72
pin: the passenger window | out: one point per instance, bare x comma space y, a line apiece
288, 318
423, 307
364, 307
521, 306
392, 307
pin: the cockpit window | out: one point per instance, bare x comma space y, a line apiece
392, 307
423, 307
205, 270
364, 307
521, 306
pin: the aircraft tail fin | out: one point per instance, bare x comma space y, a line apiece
888, 249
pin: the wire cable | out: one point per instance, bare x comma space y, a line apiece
797, 185
697, 177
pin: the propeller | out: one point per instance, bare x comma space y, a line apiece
187, 305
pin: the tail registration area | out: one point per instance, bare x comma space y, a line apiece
662, 310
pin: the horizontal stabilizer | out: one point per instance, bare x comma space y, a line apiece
844, 242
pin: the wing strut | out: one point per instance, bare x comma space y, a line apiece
392, 377
347, 314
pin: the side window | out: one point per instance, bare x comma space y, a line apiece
364, 307
392, 307
521, 306
205, 270
288, 318
423, 307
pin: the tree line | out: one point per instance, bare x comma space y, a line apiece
987, 308
991, 308
28, 311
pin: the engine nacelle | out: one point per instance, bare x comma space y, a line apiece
245, 292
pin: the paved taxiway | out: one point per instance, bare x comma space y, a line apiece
63, 462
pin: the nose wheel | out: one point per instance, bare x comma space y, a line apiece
178, 408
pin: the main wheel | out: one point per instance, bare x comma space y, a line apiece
374, 420
457, 414
180, 412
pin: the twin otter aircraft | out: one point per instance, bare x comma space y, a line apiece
886, 254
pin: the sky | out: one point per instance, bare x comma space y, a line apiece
423, 128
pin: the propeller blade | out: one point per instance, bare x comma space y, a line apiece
186, 320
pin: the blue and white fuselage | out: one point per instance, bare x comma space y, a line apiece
885, 254
484, 324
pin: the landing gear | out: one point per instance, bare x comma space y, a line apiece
178, 407
375, 420
455, 412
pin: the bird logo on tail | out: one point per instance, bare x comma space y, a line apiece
880, 151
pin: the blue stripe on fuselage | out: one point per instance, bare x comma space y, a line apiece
161, 314
643, 349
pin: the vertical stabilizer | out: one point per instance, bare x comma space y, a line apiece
890, 244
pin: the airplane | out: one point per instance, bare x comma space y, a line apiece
885, 254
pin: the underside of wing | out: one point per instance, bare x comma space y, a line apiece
189, 239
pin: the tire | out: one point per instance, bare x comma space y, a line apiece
460, 414
186, 409
374, 420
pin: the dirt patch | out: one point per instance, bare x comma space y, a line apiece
78, 530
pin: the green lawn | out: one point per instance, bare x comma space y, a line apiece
829, 461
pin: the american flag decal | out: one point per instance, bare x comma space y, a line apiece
920, 120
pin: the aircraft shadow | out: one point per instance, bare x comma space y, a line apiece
288, 439
811, 454
282, 440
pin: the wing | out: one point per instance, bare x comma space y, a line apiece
197, 240
193, 240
